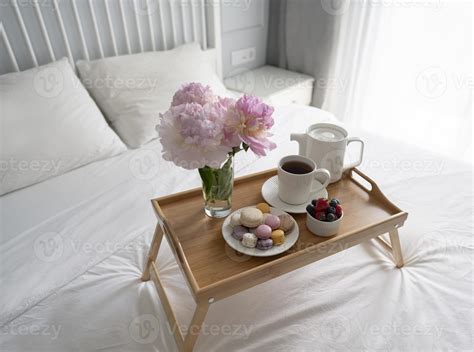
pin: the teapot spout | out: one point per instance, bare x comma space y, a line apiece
301, 139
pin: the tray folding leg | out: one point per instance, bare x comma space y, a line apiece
195, 326
394, 247
185, 343
153, 252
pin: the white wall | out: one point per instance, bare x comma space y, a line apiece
244, 24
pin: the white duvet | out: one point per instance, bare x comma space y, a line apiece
73, 248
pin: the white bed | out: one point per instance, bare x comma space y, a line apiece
72, 248
90, 297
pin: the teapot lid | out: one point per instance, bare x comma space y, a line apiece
326, 132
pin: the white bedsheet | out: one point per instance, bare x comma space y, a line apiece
73, 248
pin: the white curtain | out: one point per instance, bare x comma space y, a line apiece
399, 68
404, 70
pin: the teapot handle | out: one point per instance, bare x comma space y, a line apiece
361, 153
301, 139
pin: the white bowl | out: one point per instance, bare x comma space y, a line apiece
323, 228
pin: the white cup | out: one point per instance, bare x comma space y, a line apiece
294, 188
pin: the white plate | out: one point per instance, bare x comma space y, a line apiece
290, 238
270, 194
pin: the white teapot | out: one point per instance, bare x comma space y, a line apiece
325, 144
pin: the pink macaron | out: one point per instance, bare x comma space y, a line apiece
263, 232
273, 221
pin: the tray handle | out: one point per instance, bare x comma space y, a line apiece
373, 185
375, 189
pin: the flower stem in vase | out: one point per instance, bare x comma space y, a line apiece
217, 186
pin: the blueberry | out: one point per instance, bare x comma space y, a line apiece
331, 210
310, 209
313, 202
331, 217
334, 202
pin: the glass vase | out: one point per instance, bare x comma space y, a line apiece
217, 185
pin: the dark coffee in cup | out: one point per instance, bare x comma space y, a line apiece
297, 167
296, 179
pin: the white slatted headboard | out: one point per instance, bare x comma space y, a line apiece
35, 32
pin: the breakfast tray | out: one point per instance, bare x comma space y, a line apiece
214, 271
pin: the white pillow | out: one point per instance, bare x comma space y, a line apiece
49, 125
132, 90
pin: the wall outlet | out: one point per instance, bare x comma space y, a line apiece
243, 56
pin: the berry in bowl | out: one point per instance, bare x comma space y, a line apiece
323, 216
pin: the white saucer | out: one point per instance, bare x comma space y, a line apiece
270, 194
290, 238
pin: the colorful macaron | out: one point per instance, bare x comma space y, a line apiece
263, 232
265, 244
238, 232
249, 240
278, 237
235, 219
251, 217
273, 221
286, 222
263, 207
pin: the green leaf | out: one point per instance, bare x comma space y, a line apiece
218, 183
207, 178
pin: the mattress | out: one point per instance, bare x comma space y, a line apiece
73, 248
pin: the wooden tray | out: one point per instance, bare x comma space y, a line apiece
214, 271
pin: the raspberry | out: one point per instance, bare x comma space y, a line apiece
321, 204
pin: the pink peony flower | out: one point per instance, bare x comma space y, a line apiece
193, 93
250, 119
201, 129
192, 135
